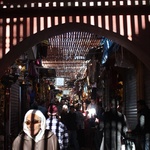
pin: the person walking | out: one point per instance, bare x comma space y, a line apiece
80, 126
57, 127
98, 131
34, 135
72, 127
142, 129
64, 114
114, 127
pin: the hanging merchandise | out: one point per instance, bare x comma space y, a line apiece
121, 60
92, 70
32, 70
108, 47
42, 49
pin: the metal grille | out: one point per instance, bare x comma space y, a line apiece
131, 98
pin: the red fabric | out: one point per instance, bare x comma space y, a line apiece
53, 109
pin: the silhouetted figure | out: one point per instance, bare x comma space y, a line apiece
114, 127
98, 131
142, 130
80, 126
72, 127
64, 115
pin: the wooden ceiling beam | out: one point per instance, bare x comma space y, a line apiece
73, 11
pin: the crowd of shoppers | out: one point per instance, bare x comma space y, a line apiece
77, 126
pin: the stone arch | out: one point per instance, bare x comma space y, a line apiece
27, 43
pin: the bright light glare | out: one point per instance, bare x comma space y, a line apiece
92, 112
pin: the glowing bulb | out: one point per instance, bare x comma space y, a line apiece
20, 67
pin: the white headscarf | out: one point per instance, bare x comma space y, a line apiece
43, 124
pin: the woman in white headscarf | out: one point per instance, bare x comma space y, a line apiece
34, 135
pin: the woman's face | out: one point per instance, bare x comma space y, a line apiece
33, 123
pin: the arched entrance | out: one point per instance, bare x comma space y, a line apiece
23, 46
26, 44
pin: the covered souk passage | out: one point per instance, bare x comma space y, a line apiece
103, 89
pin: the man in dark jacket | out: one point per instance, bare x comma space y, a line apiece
114, 127
142, 130
72, 127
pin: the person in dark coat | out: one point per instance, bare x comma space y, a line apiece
142, 129
114, 127
72, 127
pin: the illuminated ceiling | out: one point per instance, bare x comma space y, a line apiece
67, 53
